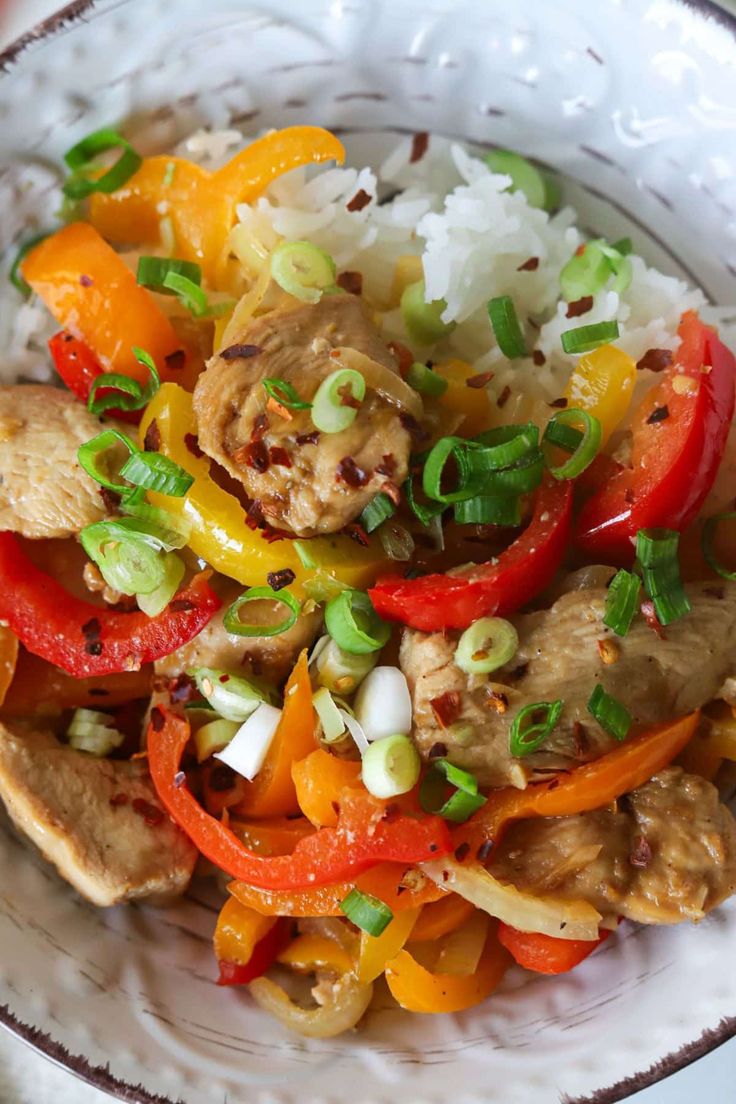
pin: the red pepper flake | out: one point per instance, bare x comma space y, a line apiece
349, 472
579, 306
357, 533
280, 457
538, 358
182, 689
360, 200
254, 518
110, 499
497, 701
402, 355
412, 426
352, 282
659, 414
275, 407
91, 632
641, 853
272, 535
158, 720
347, 398
446, 707
387, 466
179, 779
151, 814
462, 851
238, 352
484, 851
655, 360
182, 605
529, 266
437, 751
224, 679
221, 778
392, 812
118, 799
254, 454
504, 397
277, 580
559, 404
308, 438
580, 250
419, 146
476, 382
86, 281
580, 740
192, 442
152, 439
629, 497
176, 360
650, 616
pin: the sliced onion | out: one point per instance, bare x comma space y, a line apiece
249, 746
340, 671
382, 379
333, 726
93, 732
548, 915
383, 703
355, 729
347, 1002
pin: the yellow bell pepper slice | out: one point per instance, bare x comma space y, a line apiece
202, 204
441, 918
238, 930
377, 951
472, 403
316, 952
419, 990
603, 384
219, 532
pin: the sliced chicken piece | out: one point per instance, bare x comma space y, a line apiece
305, 482
43, 490
667, 853
98, 821
563, 653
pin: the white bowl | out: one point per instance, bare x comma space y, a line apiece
635, 100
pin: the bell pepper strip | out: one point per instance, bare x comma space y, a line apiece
583, 789
272, 792
273, 836
94, 295
419, 990
363, 835
387, 881
83, 639
39, 689
201, 204
78, 367
602, 383
544, 954
675, 459
311, 952
436, 602
471, 404
219, 530
441, 918
8, 660
264, 955
319, 780
377, 951
237, 932
345, 1003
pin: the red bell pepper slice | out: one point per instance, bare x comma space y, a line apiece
83, 639
674, 461
265, 953
544, 953
362, 838
78, 367
436, 602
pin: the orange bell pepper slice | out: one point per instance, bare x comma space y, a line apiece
377, 951
276, 836
93, 294
441, 918
8, 659
202, 204
319, 779
419, 990
238, 930
312, 952
586, 788
39, 689
471, 402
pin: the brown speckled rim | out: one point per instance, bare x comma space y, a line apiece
101, 1077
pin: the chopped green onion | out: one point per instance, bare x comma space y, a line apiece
423, 320
589, 272
233, 624
15, 275
584, 338
127, 563
390, 766
657, 553
540, 190
130, 395
624, 246
194, 297
333, 726
506, 328
323, 586
234, 698
332, 409
424, 512
303, 270
506, 445
213, 736
610, 713
586, 449
93, 732
425, 381
458, 806
153, 603
80, 159
434, 468
160, 537
91, 453
152, 272
487, 645
171, 531
562, 436
622, 602
532, 725
521, 478
367, 912
378, 510
158, 473
304, 552
339, 671
489, 510
707, 541
353, 623
285, 394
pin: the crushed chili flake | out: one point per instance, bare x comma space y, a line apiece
655, 360
446, 707
158, 720
349, 472
254, 518
152, 815
91, 632
357, 533
179, 779
392, 812
559, 404
352, 282
580, 740
183, 688
221, 778
152, 439
277, 580
437, 751
629, 497
176, 360
579, 306
279, 456
641, 853
391, 491
235, 352
403, 356
650, 616
118, 799
496, 700
529, 266
538, 358
360, 200
659, 414
462, 851
110, 499
412, 426
387, 466
254, 454
271, 535
419, 146
181, 605
476, 382
308, 438
609, 651
347, 398
192, 442
484, 851
504, 397
275, 407
86, 281
260, 425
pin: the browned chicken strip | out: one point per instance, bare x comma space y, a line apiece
666, 853
43, 490
305, 481
563, 652
97, 820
